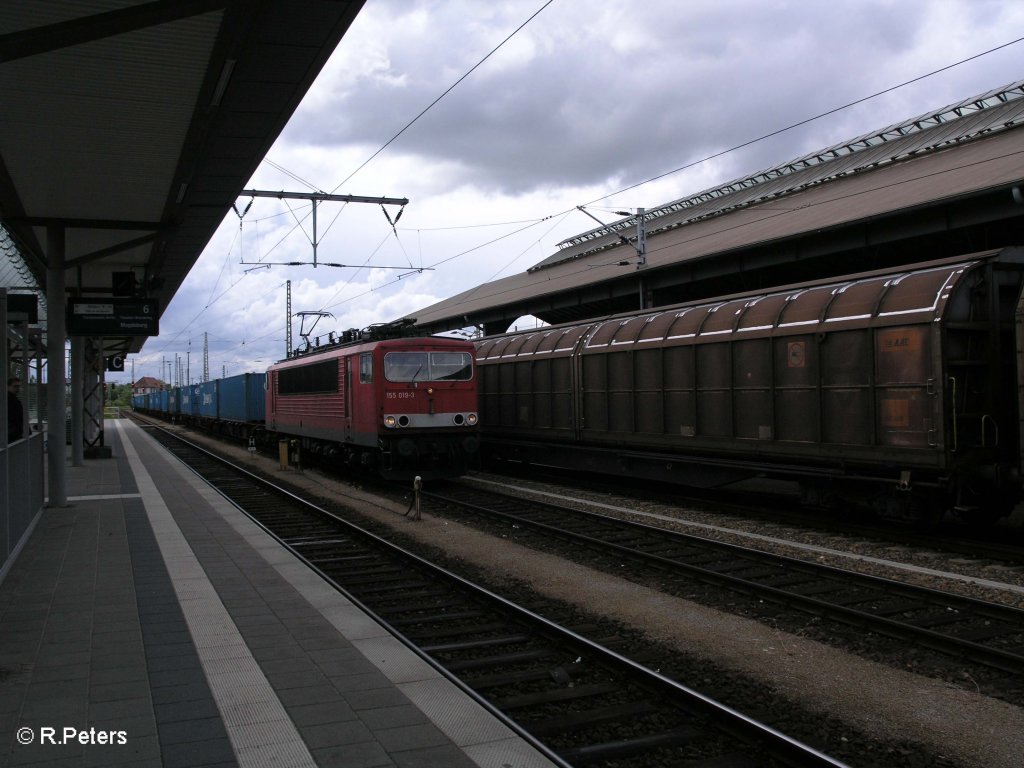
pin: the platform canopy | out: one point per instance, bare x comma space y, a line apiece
129, 129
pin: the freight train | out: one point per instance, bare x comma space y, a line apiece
898, 390
396, 407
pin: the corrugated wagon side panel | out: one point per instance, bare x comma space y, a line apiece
561, 394
620, 391
847, 409
650, 415
753, 383
680, 392
714, 390
797, 398
594, 393
903, 370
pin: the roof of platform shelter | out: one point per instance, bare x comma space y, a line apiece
132, 127
948, 170
990, 112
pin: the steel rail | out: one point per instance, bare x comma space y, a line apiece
728, 720
997, 658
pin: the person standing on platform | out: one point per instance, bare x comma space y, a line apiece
15, 413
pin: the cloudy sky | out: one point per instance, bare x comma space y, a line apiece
584, 101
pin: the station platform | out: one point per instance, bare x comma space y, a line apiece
150, 623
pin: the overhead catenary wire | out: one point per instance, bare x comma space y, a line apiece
742, 145
531, 223
201, 312
353, 275
583, 267
528, 247
223, 266
292, 175
769, 135
580, 269
805, 121
448, 90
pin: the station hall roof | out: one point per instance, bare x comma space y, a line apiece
129, 128
892, 196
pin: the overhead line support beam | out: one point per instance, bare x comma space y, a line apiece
319, 197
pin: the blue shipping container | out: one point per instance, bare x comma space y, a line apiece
195, 400
258, 397
208, 397
184, 400
242, 397
174, 400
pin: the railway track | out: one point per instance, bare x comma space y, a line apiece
578, 701
999, 543
984, 633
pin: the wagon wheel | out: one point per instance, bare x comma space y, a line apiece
921, 509
982, 507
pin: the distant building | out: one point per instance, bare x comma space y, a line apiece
147, 384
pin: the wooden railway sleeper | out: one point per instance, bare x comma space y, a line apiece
472, 645
425, 598
435, 599
560, 675
627, 747
429, 618
460, 631
313, 542
556, 695
940, 618
589, 718
976, 634
506, 660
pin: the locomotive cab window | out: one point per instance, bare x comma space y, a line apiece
366, 368
428, 366
451, 366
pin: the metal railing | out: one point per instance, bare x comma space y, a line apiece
22, 495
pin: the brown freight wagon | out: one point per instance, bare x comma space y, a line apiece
899, 389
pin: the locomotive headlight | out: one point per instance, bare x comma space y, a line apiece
390, 422
471, 419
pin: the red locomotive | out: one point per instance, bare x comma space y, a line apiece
396, 407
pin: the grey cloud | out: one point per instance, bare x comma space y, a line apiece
578, 113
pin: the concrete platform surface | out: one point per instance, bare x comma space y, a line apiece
150, 623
